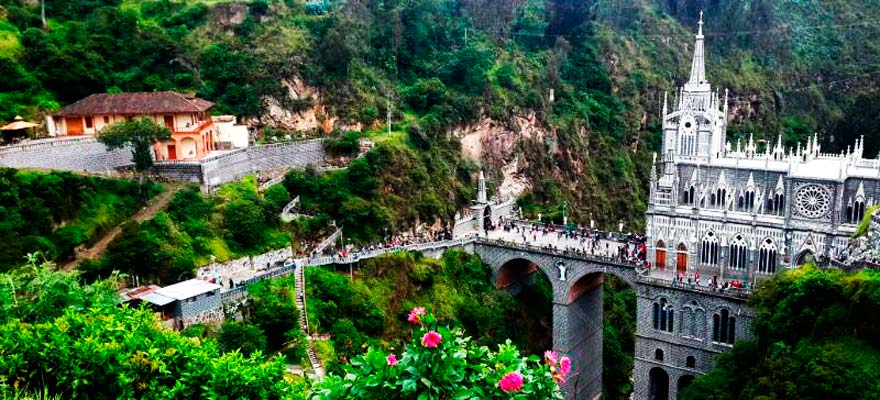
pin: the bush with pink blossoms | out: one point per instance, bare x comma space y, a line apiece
440, 363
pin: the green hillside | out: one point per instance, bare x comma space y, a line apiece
791, 67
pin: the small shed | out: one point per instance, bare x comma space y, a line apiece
190, 297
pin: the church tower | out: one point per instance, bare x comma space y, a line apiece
696, 127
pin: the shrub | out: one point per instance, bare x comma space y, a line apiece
442, 363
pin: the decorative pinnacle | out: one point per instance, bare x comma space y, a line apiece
700, 32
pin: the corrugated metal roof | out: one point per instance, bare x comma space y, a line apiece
157, 299
187, 289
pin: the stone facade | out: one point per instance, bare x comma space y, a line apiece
689, 345
483, 212
740, 212
689, 348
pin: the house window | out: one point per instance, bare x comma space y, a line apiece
89, 122
106, 120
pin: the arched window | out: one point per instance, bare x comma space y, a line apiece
663, 315
858, 211
767, 257
778, 203
739, 253
723, 327
850, 216
692, 192
709, 250
690, 362
660, 256
750, 200
658, 355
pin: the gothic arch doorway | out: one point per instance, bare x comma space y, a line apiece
658, 384
681, 259
660, 256
805, 257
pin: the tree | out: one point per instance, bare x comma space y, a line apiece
138, 134
246, 338
244, 223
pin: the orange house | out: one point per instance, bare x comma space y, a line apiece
188, 118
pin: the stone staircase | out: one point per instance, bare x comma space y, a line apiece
300, 279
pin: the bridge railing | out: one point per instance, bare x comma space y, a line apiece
564, 253
729, 292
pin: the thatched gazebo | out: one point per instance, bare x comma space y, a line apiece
17, 130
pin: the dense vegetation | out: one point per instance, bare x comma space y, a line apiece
442, 363
818, 338
56, 212
236, 220
371, 310
591, 72
390, 187
64, 338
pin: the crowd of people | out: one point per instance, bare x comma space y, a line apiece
577, 240
236, 273
695, 281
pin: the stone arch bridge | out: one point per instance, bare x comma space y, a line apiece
667, 356
678, 328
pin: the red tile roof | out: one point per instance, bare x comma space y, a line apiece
136, 103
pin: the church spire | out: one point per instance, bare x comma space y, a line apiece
481, 189
698, 67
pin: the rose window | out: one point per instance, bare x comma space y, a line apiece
813, 201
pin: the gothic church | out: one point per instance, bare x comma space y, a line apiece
739, 212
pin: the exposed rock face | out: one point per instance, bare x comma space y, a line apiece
225, 17
494, 145
309, 119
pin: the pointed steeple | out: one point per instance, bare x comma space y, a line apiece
780, 187
653, 168
698, 66
751, 182
481, 189
665, 109
860, 194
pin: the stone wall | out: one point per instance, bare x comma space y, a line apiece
76, 154
225, 167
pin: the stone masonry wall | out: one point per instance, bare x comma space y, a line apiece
87, 154
78, 154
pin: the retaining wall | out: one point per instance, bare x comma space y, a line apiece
87, 154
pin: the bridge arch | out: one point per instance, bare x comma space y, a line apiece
577, 309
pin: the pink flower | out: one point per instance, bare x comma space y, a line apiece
392, 359
551, 357
511, 382
415, 315
564, 366
431, 339
559, 378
